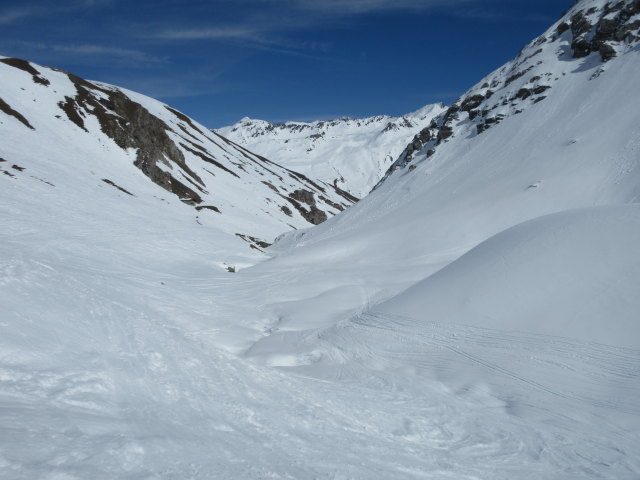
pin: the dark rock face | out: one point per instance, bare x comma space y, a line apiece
109, 182
471, 102
213, 208
581, 47
601, 35
254, 242
540, 89
587, 31
304, 196
6, 108
130, 125
579, 24
563, 27
444, 133
27, 67
515, 76
313, 214
607, 52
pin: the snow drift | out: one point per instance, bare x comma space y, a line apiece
473, 317
575, 273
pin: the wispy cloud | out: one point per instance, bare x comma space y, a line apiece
246, 33
210, 33
497, 16
95, 3
13, 14
270, 23
137, 55
88, 50
170, 86
253, 36
350, 7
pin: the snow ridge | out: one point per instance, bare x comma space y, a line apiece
591, 34
348, 152
201, 168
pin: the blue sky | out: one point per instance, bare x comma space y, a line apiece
278, 60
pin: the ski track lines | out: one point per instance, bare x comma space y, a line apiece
568, 386
595, 362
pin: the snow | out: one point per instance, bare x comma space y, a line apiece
473, 318
353, 152
244, 193
575, 271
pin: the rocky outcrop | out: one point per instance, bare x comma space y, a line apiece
253, 242
27, 67
118, 136
603, 33
312, 213
130, 125
6, 109
524, 82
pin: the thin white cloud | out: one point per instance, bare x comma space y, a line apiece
94, 3
118, 54
11, 15
253, 37
350, 7
14, 14
262, 25
212, 33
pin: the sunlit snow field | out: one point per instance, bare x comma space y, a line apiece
474, 318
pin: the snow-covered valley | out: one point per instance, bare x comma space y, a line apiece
475, 317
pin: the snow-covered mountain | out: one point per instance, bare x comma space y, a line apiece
590, 37
576, 148
63, 133
499, 259
348, 152
474, 317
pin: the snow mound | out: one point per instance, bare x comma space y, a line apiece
573, 274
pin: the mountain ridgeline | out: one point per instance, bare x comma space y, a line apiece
199, 167
473, 317
352, 153
601, 31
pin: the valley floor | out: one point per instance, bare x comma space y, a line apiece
114, 369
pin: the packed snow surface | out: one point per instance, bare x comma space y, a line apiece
475, 317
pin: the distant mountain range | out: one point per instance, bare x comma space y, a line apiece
352, 153
476, 315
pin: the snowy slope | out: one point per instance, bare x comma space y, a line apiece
55, 124
591, 34
572, 272
473, 318
509, 319
352, 153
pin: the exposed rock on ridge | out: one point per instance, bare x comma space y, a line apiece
589, 28
226, 182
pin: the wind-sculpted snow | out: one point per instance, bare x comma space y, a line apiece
348, 152
575, 271
475, 317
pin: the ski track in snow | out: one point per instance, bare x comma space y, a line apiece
362, 349
149, 400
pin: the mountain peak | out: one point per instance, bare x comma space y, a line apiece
352, 153
123, 134
586, 38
